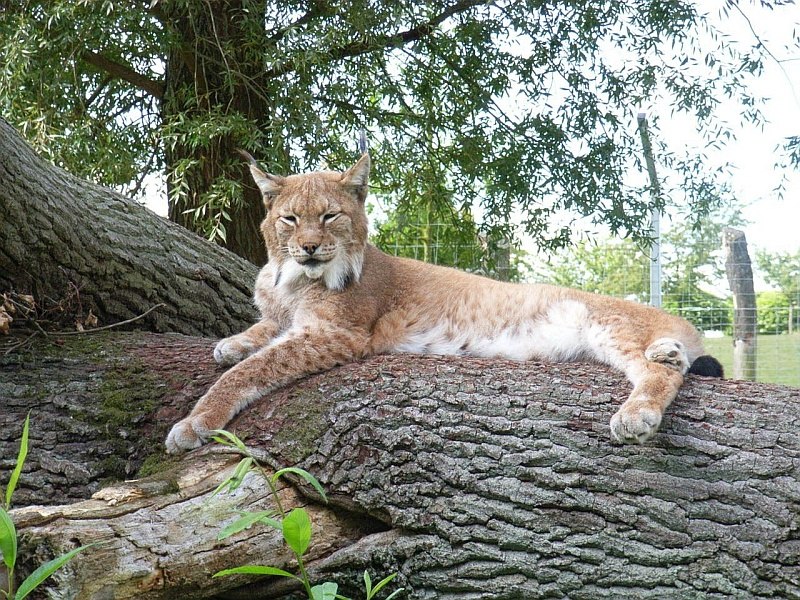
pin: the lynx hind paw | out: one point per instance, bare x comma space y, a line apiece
232, 350
669, 352
633, 425
186, 434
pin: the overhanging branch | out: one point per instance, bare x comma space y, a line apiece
152, 87
384, 42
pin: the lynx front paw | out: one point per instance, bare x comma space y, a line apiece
635, 425
186, 434
232, 350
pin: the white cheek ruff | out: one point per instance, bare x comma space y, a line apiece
314, 272
343, 269
288, 274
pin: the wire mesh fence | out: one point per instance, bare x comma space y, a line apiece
695, 285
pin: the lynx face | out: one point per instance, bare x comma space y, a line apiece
316, 227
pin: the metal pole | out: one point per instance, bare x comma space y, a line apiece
655, 214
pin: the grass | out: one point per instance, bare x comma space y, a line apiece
777, 357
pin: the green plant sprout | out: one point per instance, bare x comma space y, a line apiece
8, 536
295, 526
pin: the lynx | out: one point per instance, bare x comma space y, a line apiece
328, 297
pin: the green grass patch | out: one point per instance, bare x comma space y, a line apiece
777, 357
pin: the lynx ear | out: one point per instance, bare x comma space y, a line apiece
270, 185
357, 177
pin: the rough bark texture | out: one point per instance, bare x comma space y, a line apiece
59, 234
100, 405
471, 478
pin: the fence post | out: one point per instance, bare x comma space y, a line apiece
655, 214
740, 278
502, 259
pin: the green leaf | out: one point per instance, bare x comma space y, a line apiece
23, 453
394, 593
305, 475
297, 530
249, 519
230, 440
256, 570
8, 540
368, 584
381, 584
235, 480
44, 571
324, 591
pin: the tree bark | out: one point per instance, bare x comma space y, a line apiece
470, 478
69, 242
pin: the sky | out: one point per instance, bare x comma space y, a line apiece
774, 223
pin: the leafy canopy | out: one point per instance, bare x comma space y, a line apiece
525, 108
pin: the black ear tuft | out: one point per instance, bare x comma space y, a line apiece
707, 366
247, 156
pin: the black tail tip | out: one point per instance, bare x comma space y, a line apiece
707, 366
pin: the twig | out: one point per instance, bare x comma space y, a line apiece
96, 329
20, 344
60, 333
25, 310
766, 49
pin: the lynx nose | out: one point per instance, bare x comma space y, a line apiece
310, 248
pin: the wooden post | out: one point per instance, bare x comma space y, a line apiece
740, 278
502, 259
655, 214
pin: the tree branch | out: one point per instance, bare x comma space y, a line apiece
394, 40
152, 87
319, 8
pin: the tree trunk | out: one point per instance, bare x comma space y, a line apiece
77, 247
212, 76
470, 478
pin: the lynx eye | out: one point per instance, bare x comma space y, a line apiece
289, 219
327, 218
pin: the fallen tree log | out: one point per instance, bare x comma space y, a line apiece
76, 246
470, 478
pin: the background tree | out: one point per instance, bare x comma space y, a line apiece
782, 271
616, 268
434, 226
694, 265
774, 313
525, 105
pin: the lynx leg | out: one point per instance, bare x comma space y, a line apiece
236, 348
656, 382
638, 418
298, 354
